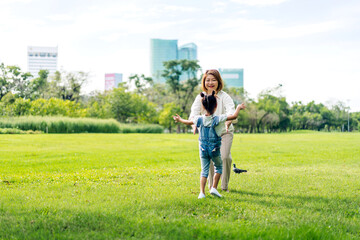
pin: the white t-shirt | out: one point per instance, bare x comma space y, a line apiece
207, 122
225, 105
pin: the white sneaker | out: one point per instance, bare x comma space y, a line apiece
215, 192
201, 195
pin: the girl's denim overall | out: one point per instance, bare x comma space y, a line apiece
209, 146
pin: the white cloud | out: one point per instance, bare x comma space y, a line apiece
175, 8
60, 17
259, 2
242, 29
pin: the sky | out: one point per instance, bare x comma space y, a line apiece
310, 47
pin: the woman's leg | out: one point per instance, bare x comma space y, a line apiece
226, 142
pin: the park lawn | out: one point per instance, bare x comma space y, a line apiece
145, 186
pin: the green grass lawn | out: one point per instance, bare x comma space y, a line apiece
145, 186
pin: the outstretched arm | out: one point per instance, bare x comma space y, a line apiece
177, 118
236, 113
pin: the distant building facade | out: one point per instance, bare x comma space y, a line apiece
188, 51
233, 77
42, 58
162, 50
112, 80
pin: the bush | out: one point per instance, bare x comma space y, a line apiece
75, 125
141, 128
17, 131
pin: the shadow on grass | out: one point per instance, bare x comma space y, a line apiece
316, 203
70, 224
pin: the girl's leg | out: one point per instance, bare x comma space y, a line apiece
217, 161
211, 174
226, 142
202, 184
216, 180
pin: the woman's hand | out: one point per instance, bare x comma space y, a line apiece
194, 129
227, 125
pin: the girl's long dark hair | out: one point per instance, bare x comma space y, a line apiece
209, 102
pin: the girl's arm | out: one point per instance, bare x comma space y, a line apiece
177, 118
236, 113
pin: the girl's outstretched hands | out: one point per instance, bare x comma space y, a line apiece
177, 118
241, 106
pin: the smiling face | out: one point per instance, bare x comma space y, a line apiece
211, 81
211, 84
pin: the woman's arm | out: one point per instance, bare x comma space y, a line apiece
228, 104
195, 108
236, 113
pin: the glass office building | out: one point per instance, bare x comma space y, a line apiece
188, 51
233, 77
112, 80
161, 51
42, 58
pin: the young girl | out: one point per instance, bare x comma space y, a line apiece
210, 127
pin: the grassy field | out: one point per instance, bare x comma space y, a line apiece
145, 186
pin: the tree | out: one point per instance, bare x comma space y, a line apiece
38, 86
13, 80
269, 103
66, 85
141, 82
165, 118
130, 107
5, 84
182, 91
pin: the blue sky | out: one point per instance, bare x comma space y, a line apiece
312, 48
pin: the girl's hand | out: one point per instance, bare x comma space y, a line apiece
241, 106
176, 118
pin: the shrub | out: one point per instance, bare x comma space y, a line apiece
75, 125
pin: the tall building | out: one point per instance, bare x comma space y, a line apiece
112, 80
42, 58
233, 77
160, 51
188, 51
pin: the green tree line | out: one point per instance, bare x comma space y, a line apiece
142, 100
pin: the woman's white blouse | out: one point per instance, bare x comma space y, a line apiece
225, 105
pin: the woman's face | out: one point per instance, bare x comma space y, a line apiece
211, 84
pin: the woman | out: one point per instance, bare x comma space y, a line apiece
212, 81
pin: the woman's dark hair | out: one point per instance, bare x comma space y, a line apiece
209, 102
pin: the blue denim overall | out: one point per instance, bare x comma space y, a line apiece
209, 146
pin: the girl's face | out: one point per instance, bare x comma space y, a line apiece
211, 84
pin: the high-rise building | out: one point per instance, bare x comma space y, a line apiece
188, 51
165, 50
161, 51
112, 80
42, 58
233, 77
